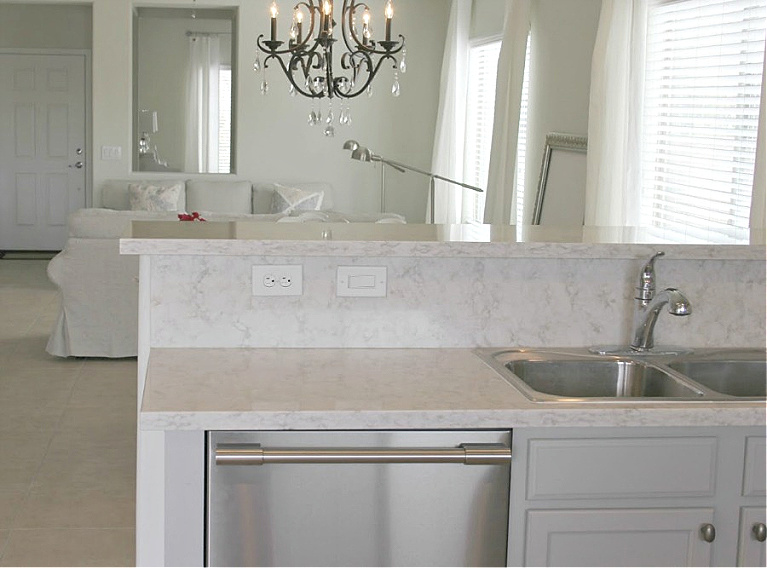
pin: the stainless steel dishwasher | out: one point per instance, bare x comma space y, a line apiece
373, 498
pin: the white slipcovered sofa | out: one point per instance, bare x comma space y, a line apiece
98, 287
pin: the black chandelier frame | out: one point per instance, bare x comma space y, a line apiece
361, 62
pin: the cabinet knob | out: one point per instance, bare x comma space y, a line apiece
708, 532
760, 531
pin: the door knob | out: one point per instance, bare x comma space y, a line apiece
708, 532
77, 165
760, 531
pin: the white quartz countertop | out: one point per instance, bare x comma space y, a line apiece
238, 238
318, 389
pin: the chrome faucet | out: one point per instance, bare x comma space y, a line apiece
648, 306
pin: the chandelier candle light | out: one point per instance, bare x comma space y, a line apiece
307, 59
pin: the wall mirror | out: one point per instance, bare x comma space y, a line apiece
273, 132
183, 69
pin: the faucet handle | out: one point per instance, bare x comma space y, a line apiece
646, 287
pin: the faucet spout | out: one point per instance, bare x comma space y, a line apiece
647, 312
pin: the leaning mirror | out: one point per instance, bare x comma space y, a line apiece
562, 182
182, 90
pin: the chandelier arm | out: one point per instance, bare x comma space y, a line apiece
349, 35
311, 8
261, 44
289, 74
371, 75
347, 24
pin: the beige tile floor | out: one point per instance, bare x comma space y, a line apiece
67, 438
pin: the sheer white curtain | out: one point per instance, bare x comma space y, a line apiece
500, 205
201, 153
450, 134
613, 170
757, 220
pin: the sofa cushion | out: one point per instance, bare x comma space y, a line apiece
290, 199
263, 193
108, 223
219, 196
151, 197
114, 192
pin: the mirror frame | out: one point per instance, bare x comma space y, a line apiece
554, 141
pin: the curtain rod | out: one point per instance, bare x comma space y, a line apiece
191, 33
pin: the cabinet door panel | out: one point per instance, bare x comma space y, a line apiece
617, 537
754, 471
622, 468
751, 552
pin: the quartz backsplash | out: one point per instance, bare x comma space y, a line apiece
207, 301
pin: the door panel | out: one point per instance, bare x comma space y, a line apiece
26, 199
58, 131
42, 124
617, 537
58, 199
24, 130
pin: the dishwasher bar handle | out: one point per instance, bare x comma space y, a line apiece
468, 454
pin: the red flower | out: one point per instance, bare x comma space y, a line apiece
194, 216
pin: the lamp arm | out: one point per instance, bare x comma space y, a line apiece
400, 166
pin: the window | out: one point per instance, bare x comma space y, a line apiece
522, 138
480, 108
224, 119
700, 118
483, 71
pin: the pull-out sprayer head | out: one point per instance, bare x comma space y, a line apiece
678, 304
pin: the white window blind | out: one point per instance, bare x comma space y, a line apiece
480, 108
522, 137
700, 118
224, 119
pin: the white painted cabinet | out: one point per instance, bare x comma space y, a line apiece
751, 547
617, 537
637, 497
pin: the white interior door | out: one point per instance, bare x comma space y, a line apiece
42, 148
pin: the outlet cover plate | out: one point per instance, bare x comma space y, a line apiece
278, 279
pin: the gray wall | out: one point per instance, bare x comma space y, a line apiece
563, 33
38, 26
272, 137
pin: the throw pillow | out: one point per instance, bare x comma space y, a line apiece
289, 199
150, 197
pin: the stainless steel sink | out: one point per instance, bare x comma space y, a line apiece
599, 379
730, 377
575, 375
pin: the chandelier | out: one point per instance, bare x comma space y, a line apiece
307, 60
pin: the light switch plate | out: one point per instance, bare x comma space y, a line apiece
111, 152
361, 281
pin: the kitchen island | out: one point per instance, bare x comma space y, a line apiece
212, 356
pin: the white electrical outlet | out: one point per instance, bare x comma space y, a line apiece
278, 280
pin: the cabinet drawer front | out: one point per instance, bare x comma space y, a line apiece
617, 537
621, 468
754, 473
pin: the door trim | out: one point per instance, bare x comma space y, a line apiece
89, 152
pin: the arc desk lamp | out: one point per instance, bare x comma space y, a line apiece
364, 154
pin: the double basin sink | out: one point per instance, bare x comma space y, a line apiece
575, 375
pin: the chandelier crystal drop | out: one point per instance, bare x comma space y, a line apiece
307, 60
